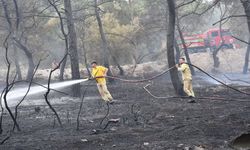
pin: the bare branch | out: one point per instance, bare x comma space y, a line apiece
65, 39
243, 41
215, 2
230, 87
184, 4
194, 12
17, 14
228, 17
48, 91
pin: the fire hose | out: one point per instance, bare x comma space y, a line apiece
137, 81
167, 70
162, 73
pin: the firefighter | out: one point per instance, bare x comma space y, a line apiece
98, 73
186, 77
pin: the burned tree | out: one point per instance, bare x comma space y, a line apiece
103, 37
170, 47
84, 51
29, 56
13, 31
29, 87
217, 49
70, 44
18, 70
246, 5
177, 51
184, 45
8, 86
49, 89
72, 47
65, 36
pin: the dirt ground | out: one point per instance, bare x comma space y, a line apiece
144, 122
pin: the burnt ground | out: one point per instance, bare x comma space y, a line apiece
145, 122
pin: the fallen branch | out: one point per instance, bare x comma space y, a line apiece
6, 138
105, 117
111, 121
157, 97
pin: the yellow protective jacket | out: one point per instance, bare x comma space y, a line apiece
185, 71
97, 72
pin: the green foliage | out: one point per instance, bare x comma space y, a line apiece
118, 36
133, 27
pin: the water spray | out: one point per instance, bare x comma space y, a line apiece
20, 92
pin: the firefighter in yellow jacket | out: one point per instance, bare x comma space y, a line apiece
99, 73
186, 77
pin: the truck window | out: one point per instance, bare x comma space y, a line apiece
224, 33
214, 34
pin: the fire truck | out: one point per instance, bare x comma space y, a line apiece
210, 40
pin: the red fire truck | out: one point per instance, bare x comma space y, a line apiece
211, 39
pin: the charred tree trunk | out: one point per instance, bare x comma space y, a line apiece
116, 61
86, 62
246, 5
6, 13
72, 47
16, 57
217, 49
245, 68
104, 41
8, 87
185, 48
215, 52
62, 68
12, 31
85, 58
170, 47
17, 14
18, 69
118, 65
85, 54
29, 57
216, 58
177, 51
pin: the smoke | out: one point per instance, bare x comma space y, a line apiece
237, 79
